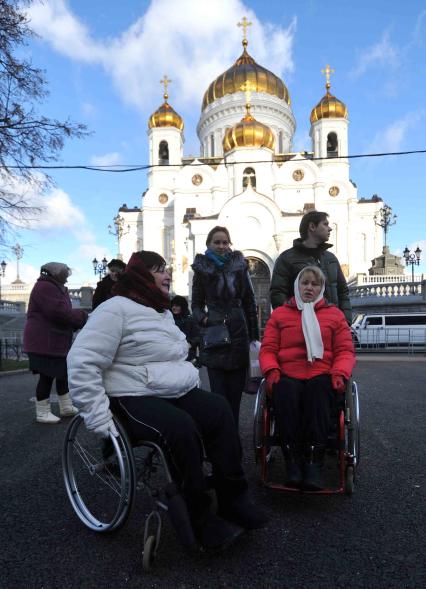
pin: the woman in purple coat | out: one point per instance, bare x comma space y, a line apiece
48, 331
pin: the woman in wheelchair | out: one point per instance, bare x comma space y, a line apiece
131, 357
306, 352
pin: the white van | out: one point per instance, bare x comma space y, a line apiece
390, 329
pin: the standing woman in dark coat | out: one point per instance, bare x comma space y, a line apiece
222, 292
48, 331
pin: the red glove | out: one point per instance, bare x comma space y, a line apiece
338, 383
272, 377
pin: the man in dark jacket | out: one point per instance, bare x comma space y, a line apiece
104, 286
311, 249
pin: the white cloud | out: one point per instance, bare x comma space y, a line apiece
181, 43
108, 159
382, 54
392, 138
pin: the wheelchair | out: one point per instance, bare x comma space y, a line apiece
102, 477
342, 450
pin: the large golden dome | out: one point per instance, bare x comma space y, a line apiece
248, 133
245, 69
165, 116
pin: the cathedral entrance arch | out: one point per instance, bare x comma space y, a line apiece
261, 278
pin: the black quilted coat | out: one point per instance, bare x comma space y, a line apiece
225, 294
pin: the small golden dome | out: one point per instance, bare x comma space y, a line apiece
165, 116
245, 69
248, 133
329, 107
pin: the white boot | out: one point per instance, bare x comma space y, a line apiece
43, 413
66, 408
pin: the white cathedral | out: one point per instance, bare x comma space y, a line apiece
248, 179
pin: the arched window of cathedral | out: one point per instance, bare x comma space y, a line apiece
249, 177
280, 142
211, 145
332, 145
364, 246
163, 153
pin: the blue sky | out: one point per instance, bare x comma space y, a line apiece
104, 60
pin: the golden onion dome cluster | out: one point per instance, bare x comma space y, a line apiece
165, 116
248, 133
245, 71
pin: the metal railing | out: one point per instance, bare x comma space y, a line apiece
11, 349
391, 339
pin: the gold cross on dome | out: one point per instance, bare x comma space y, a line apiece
245, 24
165, 81
327, 71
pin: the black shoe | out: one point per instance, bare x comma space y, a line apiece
294, 475
244, 513
216, 534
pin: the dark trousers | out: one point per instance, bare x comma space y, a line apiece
302, 410
229, 384
183, 427
44, 386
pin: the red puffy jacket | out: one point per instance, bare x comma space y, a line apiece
283, 344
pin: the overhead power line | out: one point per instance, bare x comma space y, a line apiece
139, 167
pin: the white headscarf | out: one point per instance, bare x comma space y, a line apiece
310, 325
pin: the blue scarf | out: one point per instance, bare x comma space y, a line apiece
218, 260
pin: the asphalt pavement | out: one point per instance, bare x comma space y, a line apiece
375, 538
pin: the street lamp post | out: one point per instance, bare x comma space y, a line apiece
100, 267
384, 219
119, 231
18, 250
2, 273
412, 260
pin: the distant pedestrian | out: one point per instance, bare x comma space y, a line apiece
185, 322
311, 249
103, 289
48, 331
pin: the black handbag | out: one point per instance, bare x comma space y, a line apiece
215, 336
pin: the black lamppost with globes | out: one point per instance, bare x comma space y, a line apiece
2, 273
100, 267
412, 259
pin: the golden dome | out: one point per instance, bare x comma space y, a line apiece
248, 133
165, 116
245, 69
329, 107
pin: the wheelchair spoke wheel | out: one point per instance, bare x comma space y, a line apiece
99, 476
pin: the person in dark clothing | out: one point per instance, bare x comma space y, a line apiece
185, 322
48, 332
103, 289
311, 249
222, 293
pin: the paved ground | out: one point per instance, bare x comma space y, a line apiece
376, 538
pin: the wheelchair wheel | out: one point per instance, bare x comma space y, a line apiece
258, 426
99, 476
148, 553
353, 436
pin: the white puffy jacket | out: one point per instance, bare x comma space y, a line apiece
127, 349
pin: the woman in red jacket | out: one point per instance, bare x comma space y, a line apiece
306, 352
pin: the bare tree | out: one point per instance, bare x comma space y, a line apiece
27, 138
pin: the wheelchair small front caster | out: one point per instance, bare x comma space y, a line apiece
148, 553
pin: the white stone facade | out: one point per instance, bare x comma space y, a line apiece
187, 197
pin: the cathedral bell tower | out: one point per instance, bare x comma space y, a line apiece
165, 135
329, 129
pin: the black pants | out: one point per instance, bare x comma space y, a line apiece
302, 410
229, 384
183, 427
44, 386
